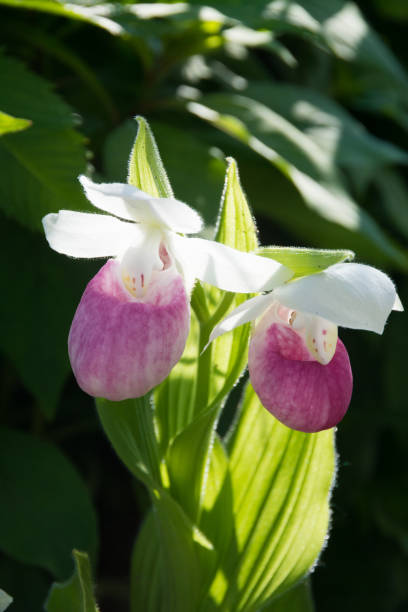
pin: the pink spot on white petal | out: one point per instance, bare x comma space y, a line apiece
324, 332
301, 392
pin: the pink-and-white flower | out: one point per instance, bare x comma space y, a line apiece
132, 322
298, 367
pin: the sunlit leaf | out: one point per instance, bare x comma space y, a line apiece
12, 124
41, 492
298, 599
299, 159
345, 141
280, 515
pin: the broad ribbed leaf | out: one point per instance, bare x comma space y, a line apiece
188, 477
40, 165
8, 123
45, 510
305, 261
299, 159
298, 599
75, 595
129, 426
281, 481
171, 561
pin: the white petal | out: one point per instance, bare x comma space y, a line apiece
398, 304
248, 311
87, 235
350, 295
228, 268
133, 204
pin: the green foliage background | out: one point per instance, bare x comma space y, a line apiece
310, 98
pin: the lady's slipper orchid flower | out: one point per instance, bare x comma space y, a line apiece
298, 367
132, 322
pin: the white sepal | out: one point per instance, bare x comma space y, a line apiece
227, 268
349, 295
248, 311
133, 204
89, 235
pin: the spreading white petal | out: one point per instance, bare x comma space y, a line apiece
87, 235
248, 311
227, 268
350, 295
133, 204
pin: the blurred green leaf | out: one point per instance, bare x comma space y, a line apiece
299, 159
305, 261
75, 595
12, 124
344, 140
40, 165
281, 515
43, 288
46, 510
394, 197
5, 600
36, 583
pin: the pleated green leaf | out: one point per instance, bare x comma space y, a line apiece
170, 561
298, 599
281, 481
75, 595
129, 426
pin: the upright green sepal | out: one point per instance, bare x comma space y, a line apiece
236, 226
146, 170
304, 261
75, 595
